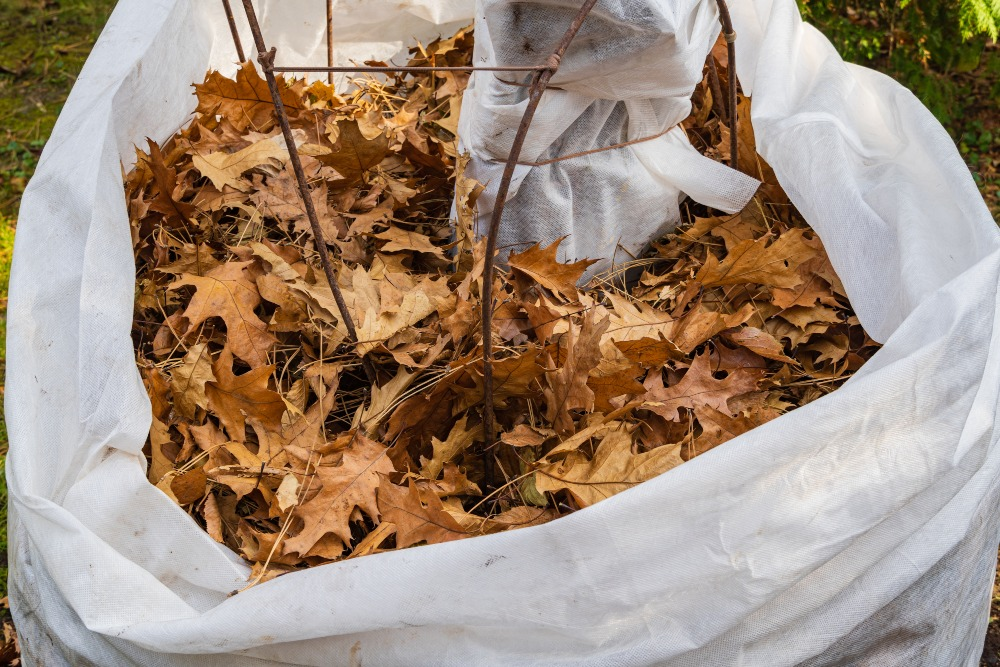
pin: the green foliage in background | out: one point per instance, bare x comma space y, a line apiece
945, 51
925, 44
979, 17
43, 44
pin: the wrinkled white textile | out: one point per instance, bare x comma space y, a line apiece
627, 76
860, 529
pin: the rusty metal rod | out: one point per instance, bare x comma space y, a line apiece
539, 81
404, 68
266, 59
730, 36
718, 104
329, 40
232, 29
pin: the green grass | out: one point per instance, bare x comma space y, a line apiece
43, 45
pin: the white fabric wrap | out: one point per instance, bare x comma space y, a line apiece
628, 75
859, 529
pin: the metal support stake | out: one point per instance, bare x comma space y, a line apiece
232, 29
730, 36
538, 84
266, 59
329, 40
718, 104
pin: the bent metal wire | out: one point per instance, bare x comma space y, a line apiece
541, 75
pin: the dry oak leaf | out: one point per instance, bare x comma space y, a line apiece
613, 469
541, 265
292, 311
453, 482
779, 328
157, 389
718, 427
633, 320
196, 259
383, 399
459, 438
614, 378
228, 168
814, 288
402, 240
802, 316
246, 101
523, 435
512, 376
233, 398
166, 182
213, 518
566, 387
699, 324
419, 516
832, 348
280, 198
698, 387
353, 154
161, 464
760, 342
344, 487
519, 516
379, 321
757, 262
228, 292
649, 352
187, 381
189, 487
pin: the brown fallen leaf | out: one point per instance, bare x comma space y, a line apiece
541, 265
402, 240
161, 463
523, 435
178, 212
760, 262
353, 154
350, 484
698, 387
228, 292
245, 101
213, 519
187, 381
459, 439
566, 388
225, 169
235, 397
189, 487
760, 342
418, 516
613, 469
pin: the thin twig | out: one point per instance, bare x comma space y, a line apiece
539, 81
266, 59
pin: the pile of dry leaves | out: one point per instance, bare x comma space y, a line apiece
265, 428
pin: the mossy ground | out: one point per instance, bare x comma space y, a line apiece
43, 44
